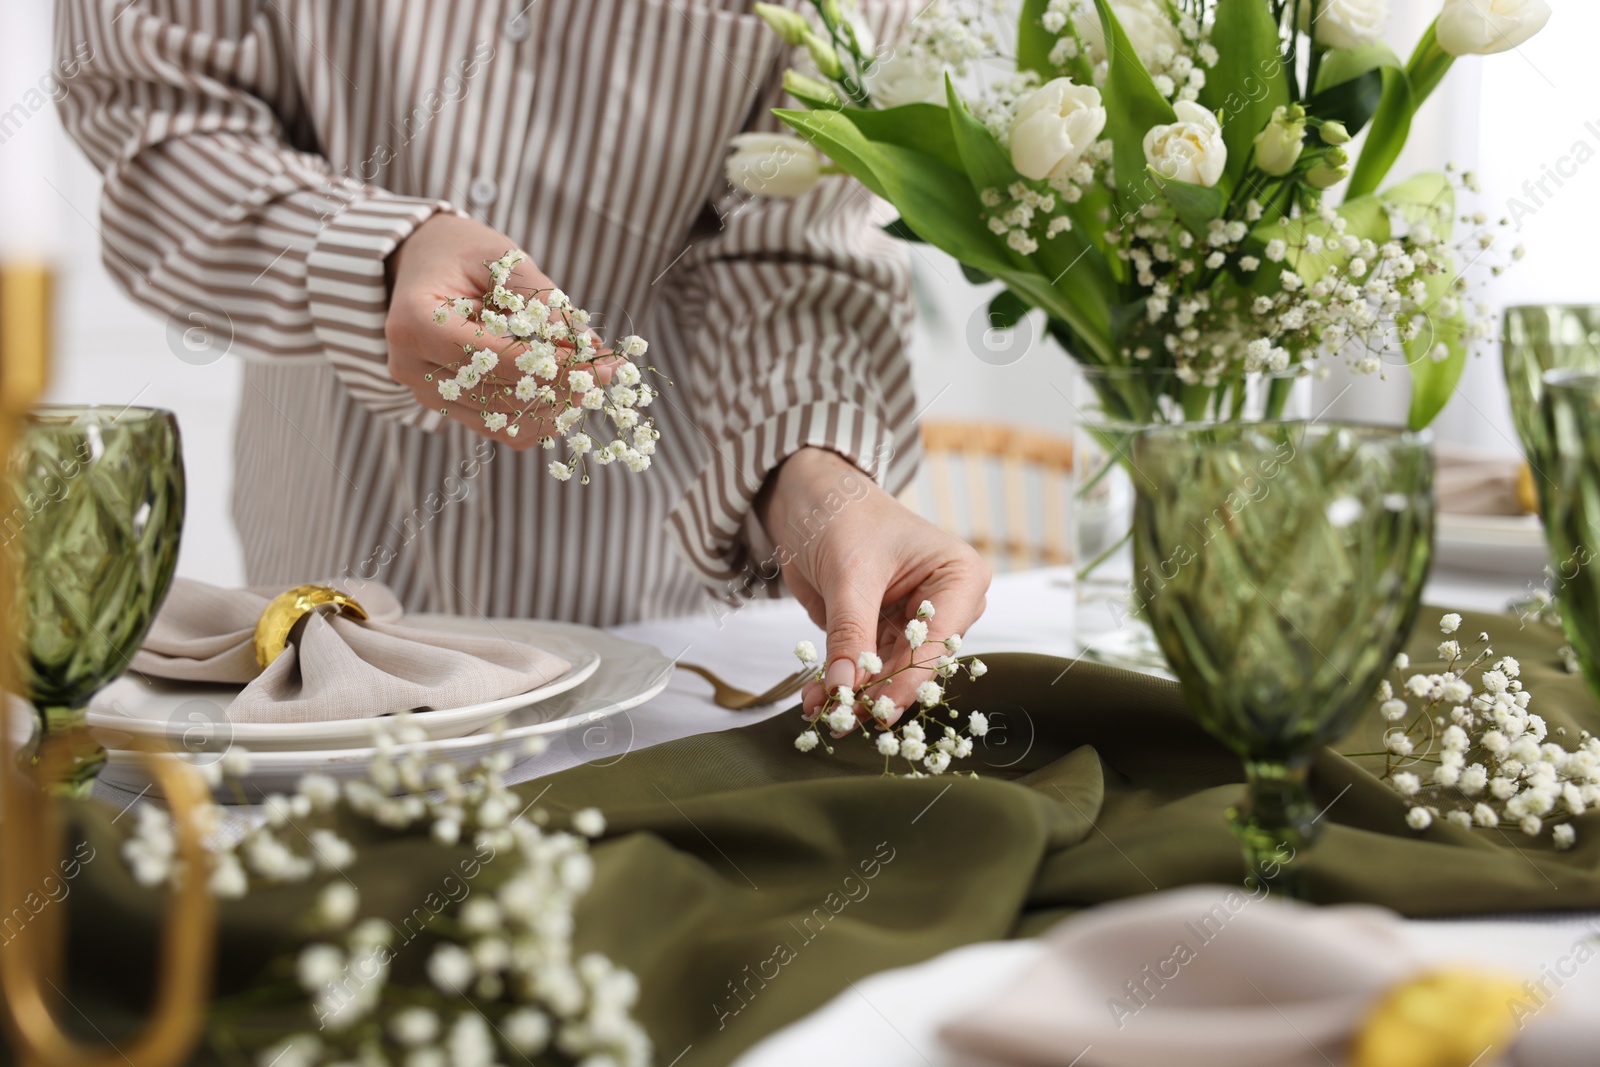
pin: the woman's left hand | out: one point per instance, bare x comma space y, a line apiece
862, 569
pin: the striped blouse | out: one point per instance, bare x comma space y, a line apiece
263, 157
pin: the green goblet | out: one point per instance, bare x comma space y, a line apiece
1569, 503
1281, 564
93, 525
1539, 338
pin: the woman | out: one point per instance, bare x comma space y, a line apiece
320, 176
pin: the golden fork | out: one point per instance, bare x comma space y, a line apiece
733, 698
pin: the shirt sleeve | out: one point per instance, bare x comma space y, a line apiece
215, 194
802, 317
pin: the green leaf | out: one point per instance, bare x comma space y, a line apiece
1006, 310
1248, 83
1340, 65
1132, 106
1034, 41
975, 276
1353, 102
988, 165
1424, 198
1196, 205
834, 134
1433, 382
1430, 199
924, 127
1391, 125
898, 228
1403, 94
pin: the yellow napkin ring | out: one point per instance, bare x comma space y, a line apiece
288, 608
1450, 1018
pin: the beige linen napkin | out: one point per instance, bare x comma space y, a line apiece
1205, 977
338, 667
1215, 976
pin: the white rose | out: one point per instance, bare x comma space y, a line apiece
901, 79
1346, 23
1054, 127
1189, 150
773, 164
1146, 23
1484, 27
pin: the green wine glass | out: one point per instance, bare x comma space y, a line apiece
1569, 503
1538, 338
1282, 565
93, 525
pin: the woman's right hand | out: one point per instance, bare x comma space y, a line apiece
443, 259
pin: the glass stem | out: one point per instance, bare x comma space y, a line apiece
67, 727
1276, 824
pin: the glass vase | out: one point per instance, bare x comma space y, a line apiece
1110, 406
94, 519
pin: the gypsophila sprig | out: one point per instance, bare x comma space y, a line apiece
503, 981
550, 344
1462, 745
931, 734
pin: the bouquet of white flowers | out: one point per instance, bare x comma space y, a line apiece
1154, 176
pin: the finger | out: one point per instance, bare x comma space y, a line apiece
852, 629
958, 602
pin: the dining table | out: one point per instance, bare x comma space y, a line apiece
894, 1016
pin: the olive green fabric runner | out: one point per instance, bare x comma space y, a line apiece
747, 883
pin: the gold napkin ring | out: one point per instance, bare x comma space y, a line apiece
1449, 1018
288, 608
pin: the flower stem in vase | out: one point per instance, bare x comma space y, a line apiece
66, 749
1276, 823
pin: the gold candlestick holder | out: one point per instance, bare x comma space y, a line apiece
32, 965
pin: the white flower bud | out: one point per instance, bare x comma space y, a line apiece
773, 164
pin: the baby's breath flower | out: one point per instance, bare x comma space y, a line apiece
916, 633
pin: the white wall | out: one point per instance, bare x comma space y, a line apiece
108, 350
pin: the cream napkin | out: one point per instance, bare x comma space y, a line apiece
337, 667
1217, 977
1206, 977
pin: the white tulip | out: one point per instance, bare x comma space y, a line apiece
901, 79
1189, 150
1484, 27
1146, 22
773, 164
1054, 126
1345, 23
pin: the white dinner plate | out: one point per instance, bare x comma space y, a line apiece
192, 717
629, 674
